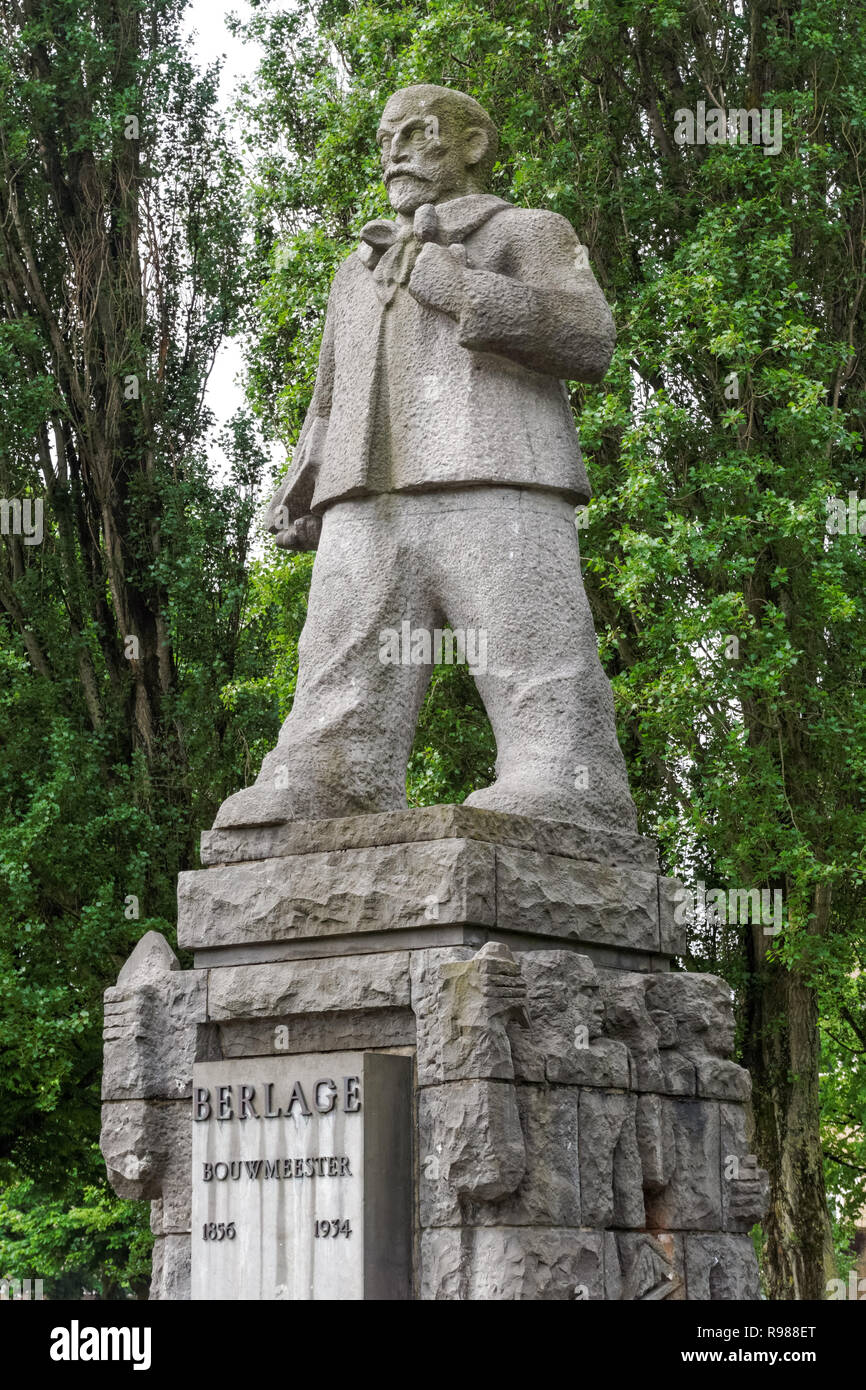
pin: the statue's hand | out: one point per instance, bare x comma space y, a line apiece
501, 984
302, 534
438, 279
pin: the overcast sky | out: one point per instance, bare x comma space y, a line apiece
206, 19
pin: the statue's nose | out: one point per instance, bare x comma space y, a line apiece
401, 146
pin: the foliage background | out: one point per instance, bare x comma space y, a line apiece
708, 522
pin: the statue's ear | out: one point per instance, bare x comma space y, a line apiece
475, 145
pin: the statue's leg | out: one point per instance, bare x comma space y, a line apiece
344, 748
515, 575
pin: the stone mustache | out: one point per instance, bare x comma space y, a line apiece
579, 1131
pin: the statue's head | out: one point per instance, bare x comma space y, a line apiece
435, 145
704, 1010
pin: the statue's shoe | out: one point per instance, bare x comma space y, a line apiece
556, 801
267, 802
260, 804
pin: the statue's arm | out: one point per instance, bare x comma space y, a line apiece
288, 517
547, 312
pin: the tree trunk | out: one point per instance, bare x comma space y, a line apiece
781, 1049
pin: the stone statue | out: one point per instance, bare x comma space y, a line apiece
577, 1130
437, 474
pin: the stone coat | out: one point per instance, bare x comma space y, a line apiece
409, 399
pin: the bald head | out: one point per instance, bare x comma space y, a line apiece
435, 144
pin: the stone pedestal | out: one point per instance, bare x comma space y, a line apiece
577, 1129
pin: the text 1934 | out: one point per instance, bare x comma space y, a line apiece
333, 1228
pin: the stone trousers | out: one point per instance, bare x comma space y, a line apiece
500, 564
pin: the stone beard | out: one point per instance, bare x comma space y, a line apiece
437, 474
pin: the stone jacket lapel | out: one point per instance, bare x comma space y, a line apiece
407, 399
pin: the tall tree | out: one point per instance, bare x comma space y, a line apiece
124, 565
111, 171
731, 622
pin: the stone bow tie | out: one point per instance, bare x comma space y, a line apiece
390, 251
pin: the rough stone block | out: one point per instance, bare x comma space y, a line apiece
718, 1079
604, 1064
611, 1192
692, 1200
150, 1023
563, 1043
666, 1026
147, 1149
149, 963
673, 932
470, 1146
506, 1264
678, 1074
464, 1009
156, 1225
720, 1267
424, 975
170, 1279
703, 1008
236, 844
656, 1142
733, 1134
652, 1267
612, 1268
627, 1019
329, 984
338, 893
359, 1030
745, 1186
549, 1192
576, 900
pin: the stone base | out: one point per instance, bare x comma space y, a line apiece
579, 1130
440, 876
